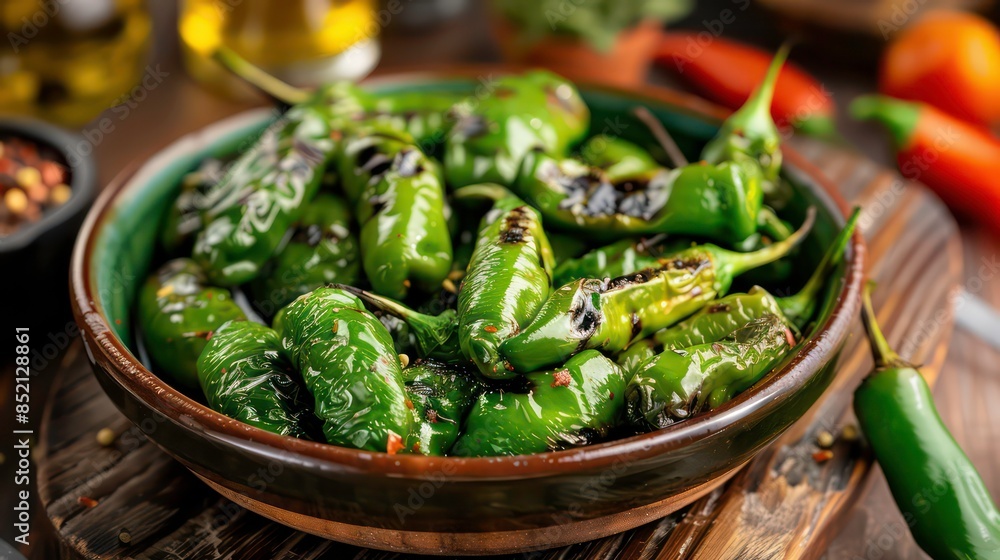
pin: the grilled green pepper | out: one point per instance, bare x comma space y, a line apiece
609, 314
535, 110
178, 313
432, 337
183, 219
566, 407
245, 375
263, 194
677, 384
399, 202
322, 250
939, 492
617, 259
720, 318
347, 361
720, 201
620, 159
441, 395
507, 281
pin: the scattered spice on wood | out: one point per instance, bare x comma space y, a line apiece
822, 456
124, 536
849, 433
106, 437
824, 439
86, 502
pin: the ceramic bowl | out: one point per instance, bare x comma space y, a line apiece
443, 505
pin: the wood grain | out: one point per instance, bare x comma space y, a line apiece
784, 505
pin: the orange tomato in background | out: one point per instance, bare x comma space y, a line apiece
950, 60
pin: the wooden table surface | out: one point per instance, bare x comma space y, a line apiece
967, 388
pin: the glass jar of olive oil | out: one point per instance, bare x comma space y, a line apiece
67, 60
303, 42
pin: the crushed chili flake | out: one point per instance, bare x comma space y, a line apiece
409, 404
611, 397
490, 329
432, 416
393, 444
822, 456
789, 337
86, 501
561, 378
416, 447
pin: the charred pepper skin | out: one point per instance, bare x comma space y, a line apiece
263, 194
348, 364
322, 250
535, 110
245, 374
178, 313
942, 497
678, 384
610, 314
399, 202
442, 395
720, 202
508, 279
617, 259
564, 408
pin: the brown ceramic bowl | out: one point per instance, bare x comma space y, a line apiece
448, 505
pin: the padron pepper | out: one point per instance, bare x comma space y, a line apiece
722, 317
609, 314
442, 395
942, 498
178, 313
677, 384
322, 250
263, 194
617, 259
246, 375
432, 337
562, 408
534, 110
348, 364
399, 202
508, 279
183, 218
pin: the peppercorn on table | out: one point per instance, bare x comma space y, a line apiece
129, 500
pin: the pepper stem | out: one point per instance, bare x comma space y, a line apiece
884, 355
770, 224
430, 331
799, 308
738, 263
898, 117
253, 75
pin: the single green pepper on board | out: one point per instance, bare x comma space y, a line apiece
720, 318
506, 283
269, 186
178, 313
322, 250
245, 375
348, 363
750, 132
441, 395
610, 314
563, 408
677, 384
432, 337
721, 202
534, 110
399, 202
942, 498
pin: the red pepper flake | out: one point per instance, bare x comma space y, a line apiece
409, 404
209, 335
432, 416
406, 283
789, 337
822, 456
490, 329
561, 378
393, 444
416, 447
118, 321
611, 397
86, 502
223, 370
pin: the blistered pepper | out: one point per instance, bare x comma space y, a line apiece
508, 279
245, 374
609, 314
442, 395
566, 407
322, 250
178, 313
348, 364
399, 202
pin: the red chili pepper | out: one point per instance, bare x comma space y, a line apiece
958, 160
728, 72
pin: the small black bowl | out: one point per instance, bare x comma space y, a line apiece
34, 260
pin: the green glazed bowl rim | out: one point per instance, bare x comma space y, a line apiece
128, 372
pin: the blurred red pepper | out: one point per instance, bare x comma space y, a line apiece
728, 72
958, 160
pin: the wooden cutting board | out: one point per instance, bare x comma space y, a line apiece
783, 505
